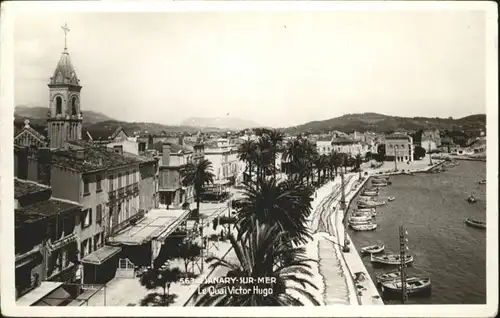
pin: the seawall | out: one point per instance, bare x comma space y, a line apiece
366, 290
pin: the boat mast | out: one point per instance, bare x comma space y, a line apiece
403, 244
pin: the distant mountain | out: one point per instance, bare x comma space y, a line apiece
151, 128
220, 122
40, 112
383, 123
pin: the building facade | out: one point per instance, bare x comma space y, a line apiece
172, 192
399, 147
46, 232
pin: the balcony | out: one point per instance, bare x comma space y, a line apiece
112, 195
121, 192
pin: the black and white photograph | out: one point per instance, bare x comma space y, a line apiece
338, 160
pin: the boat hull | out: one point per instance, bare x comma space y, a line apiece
390, 260
414, 286
372, 249
476, 224
364, 227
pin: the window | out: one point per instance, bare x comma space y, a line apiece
86, 218
98, 241
111, 185
118, 149
73, 106
98, 214
86, 189
134, 176
58, 105
98, 183
127, 180
119, 181
85, 247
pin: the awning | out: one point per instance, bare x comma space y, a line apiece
157, 223
38, 293
101, 255
31, 256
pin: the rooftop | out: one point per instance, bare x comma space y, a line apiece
103, 131
87, 157
43, 209
343, 140
174, 148
25, 187
397, 136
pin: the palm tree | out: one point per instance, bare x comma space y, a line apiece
198, 175
246, 153
276, 138
264, 156
261, 255
286, 204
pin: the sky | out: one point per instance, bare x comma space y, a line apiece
277, 69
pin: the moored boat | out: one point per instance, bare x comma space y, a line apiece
364, 227
360, 218
370, 204
380, 185
471, 199
390, 199
475, 223
373, 249
371, 193
388, 276
369, 214
414, 285
383, 178
482, 182
390, 259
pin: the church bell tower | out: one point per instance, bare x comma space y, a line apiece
65, 118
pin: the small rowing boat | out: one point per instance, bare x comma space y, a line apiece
358, 214
390, 259
370, 193
482, 182
370, 204
475, 223
388, 276
414, 285
373, 249
390, 199
471, 199
364, 227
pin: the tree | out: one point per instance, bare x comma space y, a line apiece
246, 153
368, 155
188, 251
381, 153
259, 255
419, 152
287, 205
198, 175
160, 278
276, 139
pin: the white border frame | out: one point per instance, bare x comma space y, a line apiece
9, 9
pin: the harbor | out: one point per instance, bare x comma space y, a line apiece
439, 198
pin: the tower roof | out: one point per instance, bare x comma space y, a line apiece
65, 72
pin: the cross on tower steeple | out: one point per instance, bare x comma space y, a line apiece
66, 30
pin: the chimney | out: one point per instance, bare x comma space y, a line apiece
150, 142
165, 157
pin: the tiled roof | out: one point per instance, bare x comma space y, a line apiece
64, 72
43, 209
25, 187
103, 131
93, 157
397, 136
343, 140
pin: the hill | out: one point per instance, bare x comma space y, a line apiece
220, 122
151, 128
383, 123
40, 112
